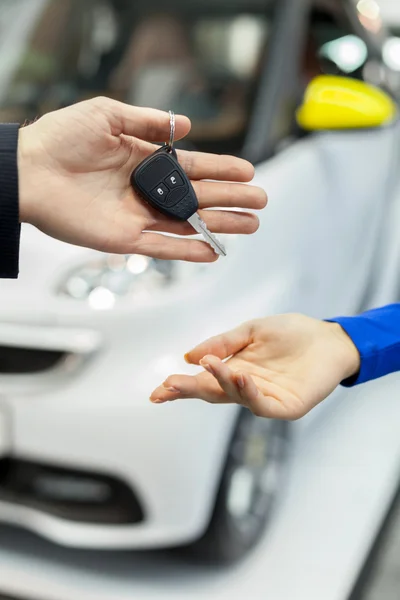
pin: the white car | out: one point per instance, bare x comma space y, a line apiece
87, 461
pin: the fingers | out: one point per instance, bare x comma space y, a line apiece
240, 389
223, 375
161, 246
223, 345
246, 387
203, 386
217, 221
260, 404
154, 125
220, 385
144, 123
230, 195
199, 165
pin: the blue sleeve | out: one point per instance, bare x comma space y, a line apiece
376, 334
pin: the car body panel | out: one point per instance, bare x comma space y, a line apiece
325, 241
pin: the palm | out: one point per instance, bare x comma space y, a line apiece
87, 154
280, 373
283, 380
93, 168
283, 367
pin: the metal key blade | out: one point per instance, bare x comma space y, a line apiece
198, 224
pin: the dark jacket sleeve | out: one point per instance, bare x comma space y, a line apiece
9, 206
376, 334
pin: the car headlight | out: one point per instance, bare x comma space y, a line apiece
101, 281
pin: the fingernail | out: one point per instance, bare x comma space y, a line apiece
171, 389
240, 381
208, 368
157, 401
187, 359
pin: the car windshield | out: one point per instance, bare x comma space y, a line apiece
202, 58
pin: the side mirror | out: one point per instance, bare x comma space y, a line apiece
333, 102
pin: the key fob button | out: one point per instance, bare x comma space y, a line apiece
160, 192
176, 196
161, 182
155, 169
174, 180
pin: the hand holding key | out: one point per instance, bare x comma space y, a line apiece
161, 181
75, 168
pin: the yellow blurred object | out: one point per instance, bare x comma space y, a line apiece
333, 102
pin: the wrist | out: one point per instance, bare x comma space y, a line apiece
351, 360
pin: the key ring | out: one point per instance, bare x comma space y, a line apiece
171, 131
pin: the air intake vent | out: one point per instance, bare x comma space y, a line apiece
19, 361
79, 496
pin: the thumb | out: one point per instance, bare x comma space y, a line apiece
223, 345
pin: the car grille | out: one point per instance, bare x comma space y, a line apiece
19, 361
79, 496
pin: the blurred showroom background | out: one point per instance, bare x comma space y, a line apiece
103, 495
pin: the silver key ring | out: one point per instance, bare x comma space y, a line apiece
171, 129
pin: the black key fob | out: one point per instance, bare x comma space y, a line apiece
162, 183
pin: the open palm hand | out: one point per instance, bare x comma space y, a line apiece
279, 367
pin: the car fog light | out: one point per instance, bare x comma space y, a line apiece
102, 281
101, 299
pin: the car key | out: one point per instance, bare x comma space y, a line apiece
162, 183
